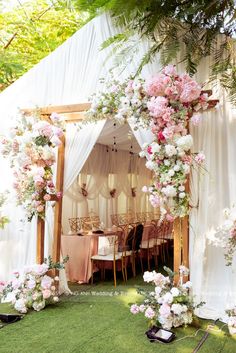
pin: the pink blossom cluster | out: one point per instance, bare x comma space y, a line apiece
33, 289
168, 304
171, 105
31, 149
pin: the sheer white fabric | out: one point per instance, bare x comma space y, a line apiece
106, 171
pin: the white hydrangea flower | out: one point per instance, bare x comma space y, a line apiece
171, 173
166, 162
155, 147
177, 309
170, 150
182, 195
169, 191
168, 298
174, 291
185, 142
176, 168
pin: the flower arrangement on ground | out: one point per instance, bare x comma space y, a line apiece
167, 305
225, 235
232, 321
32, 288
30, 147
166, 103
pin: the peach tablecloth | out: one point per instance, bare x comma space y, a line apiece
80, 249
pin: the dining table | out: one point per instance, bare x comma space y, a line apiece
80, 249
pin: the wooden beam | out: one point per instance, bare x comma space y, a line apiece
177, 247
60, 109
58, 205
40, 240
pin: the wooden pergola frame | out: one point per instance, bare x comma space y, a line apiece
75, 113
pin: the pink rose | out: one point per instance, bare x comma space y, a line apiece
200, 158
40, 208
46, 293
134, 309
164, 310
46, 282
47, 197
149, 313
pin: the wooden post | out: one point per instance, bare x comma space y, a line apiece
58, 205
40, 240
185, 241
177, 247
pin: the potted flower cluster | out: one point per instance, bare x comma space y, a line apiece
168, 305
32, 288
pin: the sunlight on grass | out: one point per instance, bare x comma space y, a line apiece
131, 297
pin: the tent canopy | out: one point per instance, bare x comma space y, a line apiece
70, 75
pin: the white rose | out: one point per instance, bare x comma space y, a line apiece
39, 305
142, 154
181, 188
171, 173
124, 101
170, 191
150, 165
174, 291
170, 150
182, 195
168, 298
20, 306
176, 168
155, 147
186, 169
176, 308
185, 142
166, 162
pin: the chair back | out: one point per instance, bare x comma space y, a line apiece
75, 224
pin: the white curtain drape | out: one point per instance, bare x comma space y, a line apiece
106, 171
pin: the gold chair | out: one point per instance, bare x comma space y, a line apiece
116, 257
75, 224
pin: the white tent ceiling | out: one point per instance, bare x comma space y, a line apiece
122, 135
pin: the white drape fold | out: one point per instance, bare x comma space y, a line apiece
79, 144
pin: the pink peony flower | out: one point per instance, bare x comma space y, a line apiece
157, 106
165, 310
170, 70
46, 293
47, 197
200, 158
40, 208
31, 283
149, 313
156, 85
46, 282
134, 309
196, 119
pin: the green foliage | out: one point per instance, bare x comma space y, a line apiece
30, 32
184, 30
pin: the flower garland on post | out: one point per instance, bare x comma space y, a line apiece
165, 103
31, 151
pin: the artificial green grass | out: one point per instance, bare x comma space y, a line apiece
97, 320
